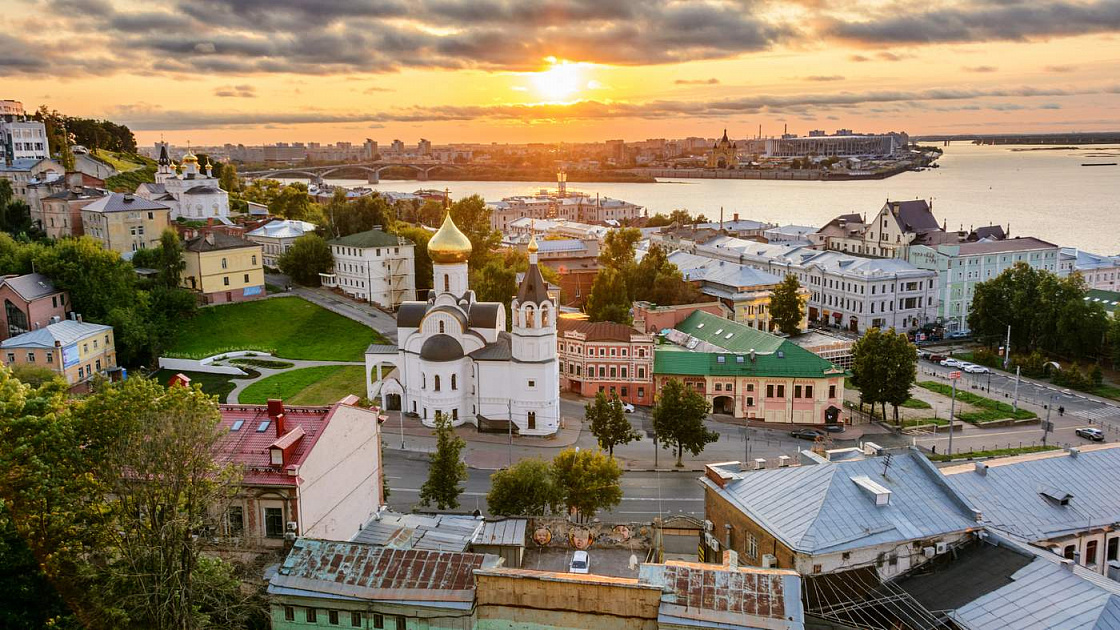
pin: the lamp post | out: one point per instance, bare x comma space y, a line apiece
953, 376
1046, 427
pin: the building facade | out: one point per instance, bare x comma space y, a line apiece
125, 223
75, 350
748, 373
22, 139
223, 268
961, 267
846, 144
723, 154
30, 302
60, 214
605, 357
374, 266
456, 358
189, 190
1099, 272
276, 238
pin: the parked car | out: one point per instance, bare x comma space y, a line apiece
806, 434
924, 354
935, 358
834, 427
972, 368
1090, 433
950, 362
628, 408
581, 562
959, 334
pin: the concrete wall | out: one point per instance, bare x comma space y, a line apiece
526, 599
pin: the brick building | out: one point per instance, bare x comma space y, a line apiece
653, 318
605, 357
30, 302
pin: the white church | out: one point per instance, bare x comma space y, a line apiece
190, 190
455, 357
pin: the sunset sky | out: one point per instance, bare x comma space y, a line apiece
253, 71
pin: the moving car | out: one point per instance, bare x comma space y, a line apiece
806, 434
581, 562
972, 368
834, 427
959, 334
628, 408
950, 362
1090, 433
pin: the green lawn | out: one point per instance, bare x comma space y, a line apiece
941, 422
990, 410
914, 403
263, 363
288, 327
219, 385
999, 452
1107, 391
321, 385
123, 162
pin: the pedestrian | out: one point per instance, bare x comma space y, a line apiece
1061, 411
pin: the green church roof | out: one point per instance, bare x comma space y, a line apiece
371, 238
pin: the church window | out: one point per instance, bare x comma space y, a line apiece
454, 415
446, 282
441, 327
435, 382
454, 381
423, 380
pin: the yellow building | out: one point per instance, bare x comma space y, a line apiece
72, 348
223, 268
724, 154
125, 223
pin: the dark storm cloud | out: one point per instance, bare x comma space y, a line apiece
236, 91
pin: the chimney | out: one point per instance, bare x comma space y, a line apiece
760, 463
730, 559
209, 238
78, 317
209, 221
276, 414
981, 468
736, 216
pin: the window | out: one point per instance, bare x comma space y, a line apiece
225, 263
441, 328
400, 622
435, 382
310, 615
614, 371
1111, 548
378, 621
254, 260
30, 357
289, 613
50, 357
781, 391
274, 524
769, 391
1068, 552
225, 280
641, 392
532, 383
246, 278
808, 391
356, 619
332, 617
719, 387
1090, 552
602, 372
641, 372
797, 391
454, 381
832, 391
446, 283
751, 546
750, 401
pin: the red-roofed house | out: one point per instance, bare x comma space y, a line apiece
605, 357
309, 471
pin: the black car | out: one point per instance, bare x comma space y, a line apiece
834, 427
807, 434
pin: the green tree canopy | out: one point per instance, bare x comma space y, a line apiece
587, 481
472, 217
228, 179
446, 469
786, 308
360, 215
608, 423
293, 202
525, 489
308, 256
678, 419
609, 300
421, 261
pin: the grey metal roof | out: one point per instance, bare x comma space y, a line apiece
431, 532
1009, 493
410, 314
499, 350
821, 509
506, 532
484, 314
533, 287
65, 332
123, 202
283, 228
377, 348
202, 190
31, 286
441, 348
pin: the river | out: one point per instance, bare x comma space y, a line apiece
1042, 193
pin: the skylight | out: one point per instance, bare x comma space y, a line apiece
728, 335
263, 426
237, 425
719, 332
700, 325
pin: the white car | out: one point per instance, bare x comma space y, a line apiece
628, 408
581, 562
950, 362
976, 369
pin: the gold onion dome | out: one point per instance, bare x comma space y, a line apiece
189, 158
449, 245
533, 247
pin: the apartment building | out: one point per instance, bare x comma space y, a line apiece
31, 302
605, 357
374, 266
223, 268
125, 223
76, 350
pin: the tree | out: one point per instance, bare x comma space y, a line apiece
869, 371
446, 469
472, 217
360, 215
786, 308
587, 481
678, 420
293, 202
421, 261
1114, 337
525, 489
659, 281
608, 423
609, 300
901, 369
171, 261
617, 251
309, 256
228, 179
262, 191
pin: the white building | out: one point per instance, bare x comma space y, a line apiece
455, 357
191, 193
1100, 272
841, 144
23, 140
277, 236
374, 266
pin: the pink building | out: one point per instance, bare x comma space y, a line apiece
30, 302
653, 319
605, 357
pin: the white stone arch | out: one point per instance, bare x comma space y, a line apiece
546, 315
529, 315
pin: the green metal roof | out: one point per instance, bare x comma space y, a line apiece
727, 334
1108, 299
370, 238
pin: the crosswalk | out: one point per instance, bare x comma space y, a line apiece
1099, 415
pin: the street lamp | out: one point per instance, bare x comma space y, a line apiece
1046, 427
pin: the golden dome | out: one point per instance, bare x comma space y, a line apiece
449, 245
533, 247
189, 158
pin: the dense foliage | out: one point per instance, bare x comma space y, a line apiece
786, 308
446, 469
608, 423
884, 368
308, 256
678, 419
622, 280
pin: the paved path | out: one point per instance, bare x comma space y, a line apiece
375, 318
239, 384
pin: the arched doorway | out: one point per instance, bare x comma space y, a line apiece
393, 402
723, 404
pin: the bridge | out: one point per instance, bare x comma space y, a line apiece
372, 169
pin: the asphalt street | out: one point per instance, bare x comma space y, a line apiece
644, 494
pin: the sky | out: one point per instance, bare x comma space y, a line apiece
263, 71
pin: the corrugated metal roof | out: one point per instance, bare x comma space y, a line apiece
371, 238
507, 532
378, 573
65, 332
727, 334
433, 532
1009, 493
702, 595
31, 286
820, 509
123, 202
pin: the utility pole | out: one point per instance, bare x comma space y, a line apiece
953, 376
1007, 349
1046, 427
1015, 403
509, 409
655, 448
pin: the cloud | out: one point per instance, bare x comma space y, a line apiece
980, 69
373, 89
236, 91
825, 77
1060, 69
712, 81
859, 58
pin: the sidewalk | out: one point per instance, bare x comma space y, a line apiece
367, 314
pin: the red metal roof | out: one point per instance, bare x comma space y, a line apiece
597, 331
720, 589
249, 446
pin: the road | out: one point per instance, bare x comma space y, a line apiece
644, 495
1080, 411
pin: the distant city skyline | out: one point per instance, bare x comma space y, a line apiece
245, 71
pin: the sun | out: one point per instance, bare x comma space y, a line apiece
560, 82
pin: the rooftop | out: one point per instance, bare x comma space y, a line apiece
123, 202
216, 241
371, 238
64, 333
1017, 244
596, 331
283, 228
704, 595
30, 286
431, 532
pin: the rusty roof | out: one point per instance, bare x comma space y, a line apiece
372, 572
598, 331
747, 597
